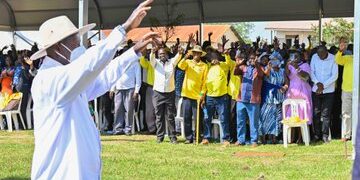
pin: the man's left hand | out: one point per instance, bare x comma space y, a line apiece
135, 96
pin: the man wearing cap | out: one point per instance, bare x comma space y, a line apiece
193, 87
67, 143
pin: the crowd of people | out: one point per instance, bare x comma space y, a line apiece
17, 73
243, 86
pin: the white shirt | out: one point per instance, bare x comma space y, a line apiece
164, 73
325, 72
130, 79
67, 143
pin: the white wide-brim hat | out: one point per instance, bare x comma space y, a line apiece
55, 30
198, 49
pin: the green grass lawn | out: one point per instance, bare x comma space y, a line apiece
140, 157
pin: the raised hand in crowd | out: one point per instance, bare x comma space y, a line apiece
209, 36
224, 40
145, 40
181, 50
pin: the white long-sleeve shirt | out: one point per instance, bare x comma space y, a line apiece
164, 73
325, 72
67, 143
130, 79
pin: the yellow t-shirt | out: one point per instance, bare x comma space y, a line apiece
145, 64
347, 62
235, 81
216, 80
194, 80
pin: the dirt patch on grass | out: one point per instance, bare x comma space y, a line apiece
258, 154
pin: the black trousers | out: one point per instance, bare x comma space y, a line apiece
106, 105
233, 124
164, 104
323, 104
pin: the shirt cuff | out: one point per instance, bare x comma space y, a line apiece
121, 29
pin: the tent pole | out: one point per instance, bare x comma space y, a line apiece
321, 15
201, 33
356, 81
83, 18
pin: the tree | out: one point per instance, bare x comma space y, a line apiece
334, 30
243, 29
167, 28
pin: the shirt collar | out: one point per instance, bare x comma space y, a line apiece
49, 62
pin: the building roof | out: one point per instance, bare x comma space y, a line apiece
182, 32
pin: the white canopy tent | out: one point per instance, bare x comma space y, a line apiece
28, 15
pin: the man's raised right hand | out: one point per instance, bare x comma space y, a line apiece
137, 16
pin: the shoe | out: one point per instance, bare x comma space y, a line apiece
173, 141
237, 143
205, 142
178, 134
344, 139
188, 141
159, 140
128, 133
326, 140
226, 143
316, 139
254, 145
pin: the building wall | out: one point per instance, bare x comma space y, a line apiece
229, 35
283, 35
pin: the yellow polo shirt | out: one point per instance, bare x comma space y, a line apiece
235, 81
347, 62
194, 80
145, 64
216, 80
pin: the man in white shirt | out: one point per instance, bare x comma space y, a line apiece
67, 143
164, 92
126, 94
324, 73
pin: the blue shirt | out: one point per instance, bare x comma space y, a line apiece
179, 78
247, 84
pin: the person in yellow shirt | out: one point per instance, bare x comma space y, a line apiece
216, 97
193, 87
345, 58
233, 91
149, 107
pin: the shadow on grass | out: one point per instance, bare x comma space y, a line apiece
124, 140
14, 178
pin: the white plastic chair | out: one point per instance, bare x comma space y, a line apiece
294, 107
13, 114
179, 118
215, 132
29, 111
136, 120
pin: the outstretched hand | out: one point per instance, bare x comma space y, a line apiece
145, 40
137, 15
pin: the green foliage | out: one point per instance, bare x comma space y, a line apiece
334, 30
243, 29
140, 157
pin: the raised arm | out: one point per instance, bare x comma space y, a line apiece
73, 79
